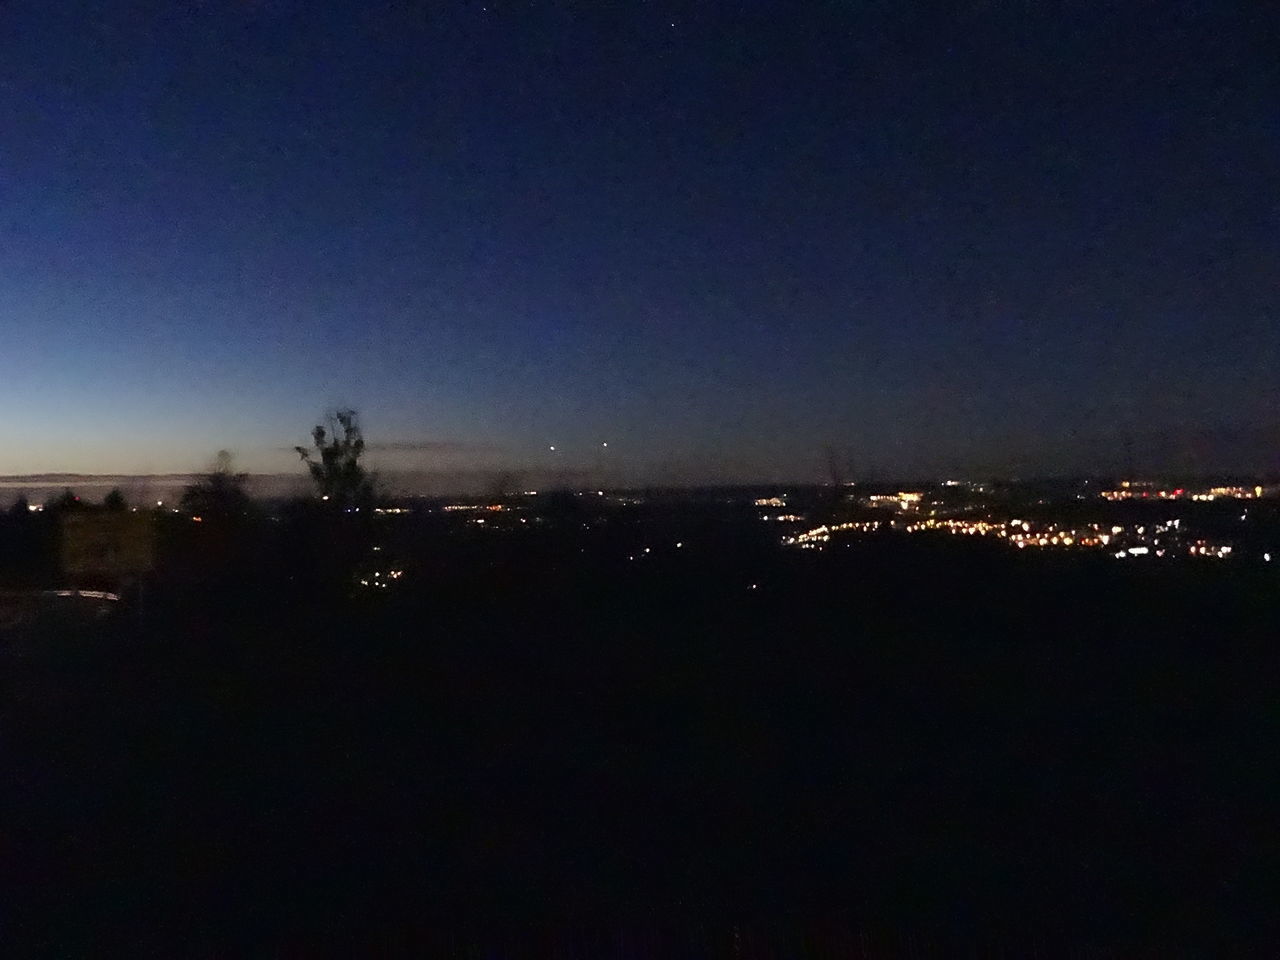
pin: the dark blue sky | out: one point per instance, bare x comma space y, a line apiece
718, 236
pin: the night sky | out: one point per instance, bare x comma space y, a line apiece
719, 237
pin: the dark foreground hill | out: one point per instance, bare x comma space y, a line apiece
719, 750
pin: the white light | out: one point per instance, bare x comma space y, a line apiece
553, 449
325, 497
1266, 557
605, 444
680, 543
89, 594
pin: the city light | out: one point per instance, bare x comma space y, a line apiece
1143, 540
903, 500
1136, 490
85, 594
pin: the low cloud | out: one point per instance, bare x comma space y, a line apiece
424, 446
432, 446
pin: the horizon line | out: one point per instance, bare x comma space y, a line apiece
974, 477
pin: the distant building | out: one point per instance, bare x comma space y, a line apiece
902, 500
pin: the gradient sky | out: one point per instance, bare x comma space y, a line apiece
719, 236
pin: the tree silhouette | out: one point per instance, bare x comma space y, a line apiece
115, 501
834, 502
220, 492
335, 466
65, 501
20, 507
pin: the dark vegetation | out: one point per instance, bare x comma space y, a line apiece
533, 744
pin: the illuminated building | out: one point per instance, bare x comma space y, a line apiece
903, 500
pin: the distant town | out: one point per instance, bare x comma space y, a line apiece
1220, 518
89, 549
1127, 519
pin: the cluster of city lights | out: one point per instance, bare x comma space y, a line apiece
1139, 540
820, 535
1136, 540
902, 500
1205, 548
1135, 494
1229, 493
1130, 490
966, 527
1020, 533
377, 581
771, 502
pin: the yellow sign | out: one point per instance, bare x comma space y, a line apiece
108, 544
